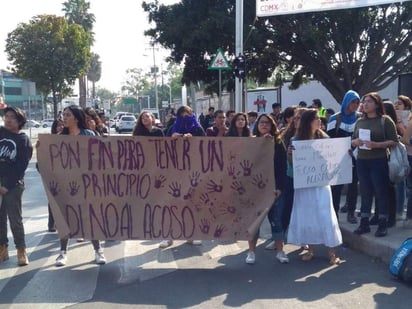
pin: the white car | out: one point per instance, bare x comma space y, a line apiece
47, 123
33, 124
126, 123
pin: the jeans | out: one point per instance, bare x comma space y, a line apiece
374, 182
11, 207
288, 202
409, 186
275, 218
351, 194
64, 243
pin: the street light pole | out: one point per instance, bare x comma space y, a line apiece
155, 78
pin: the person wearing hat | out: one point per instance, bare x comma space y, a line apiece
15, 154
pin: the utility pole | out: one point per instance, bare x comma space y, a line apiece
239, 107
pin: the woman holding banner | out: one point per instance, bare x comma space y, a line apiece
266, 127
74, 120
145, 126
185, 126
313, 220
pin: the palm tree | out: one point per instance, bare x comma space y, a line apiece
95, 72
76, 12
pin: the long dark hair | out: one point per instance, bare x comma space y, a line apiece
233, 130
140, 129
80, 115
305, 128
380, 110
274, 131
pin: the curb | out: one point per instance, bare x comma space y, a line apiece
379, 248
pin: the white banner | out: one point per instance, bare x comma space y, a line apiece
281, 7
321, 162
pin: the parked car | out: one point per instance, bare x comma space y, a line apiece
118, 116
126, 123
47, 123
33, 124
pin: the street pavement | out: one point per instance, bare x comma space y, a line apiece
214, 275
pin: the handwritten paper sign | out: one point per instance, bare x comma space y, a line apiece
157, 188
321, 162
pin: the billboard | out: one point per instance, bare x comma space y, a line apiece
282, 7
261, 100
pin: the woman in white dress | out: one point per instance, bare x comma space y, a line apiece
313, 220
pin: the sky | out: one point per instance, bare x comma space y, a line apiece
119, 38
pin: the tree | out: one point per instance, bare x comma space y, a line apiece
362, 49
136, 82
49, 52
94, 72
77, 12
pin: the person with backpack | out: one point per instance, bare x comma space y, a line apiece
374, 133
342, 124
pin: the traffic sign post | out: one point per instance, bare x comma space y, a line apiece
219, 62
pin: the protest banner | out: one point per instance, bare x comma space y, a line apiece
157, 188
321, 162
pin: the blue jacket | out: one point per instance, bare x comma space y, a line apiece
347, 121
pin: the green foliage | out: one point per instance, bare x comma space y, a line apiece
362, 49
49, 52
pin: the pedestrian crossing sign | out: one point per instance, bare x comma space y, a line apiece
219, 62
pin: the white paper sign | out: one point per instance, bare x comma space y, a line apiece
280, 7
364, 135
321, 162
403, 116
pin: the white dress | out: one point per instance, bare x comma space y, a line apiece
313, 220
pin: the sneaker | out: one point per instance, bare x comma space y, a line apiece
80, 239
270, 246
282, 257
165, 243
61, 259
100, 258
250, 258
194, 242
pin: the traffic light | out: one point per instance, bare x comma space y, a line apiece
239, 67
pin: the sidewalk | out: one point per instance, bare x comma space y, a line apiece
380, 248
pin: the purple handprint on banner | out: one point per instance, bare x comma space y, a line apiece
73, 188
212, 186
219, 230
258, 181
224, 209
204, 226
54, 188
194, 179
189, 194
204, 197
231, 171
238, 186
175, 189
247, 167
159, 181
